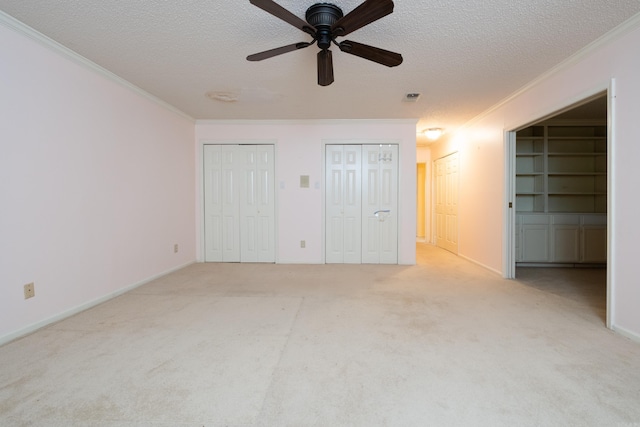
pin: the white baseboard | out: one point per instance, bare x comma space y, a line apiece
626, 333
471, 260
82, 307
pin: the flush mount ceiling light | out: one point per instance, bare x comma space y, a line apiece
432, 133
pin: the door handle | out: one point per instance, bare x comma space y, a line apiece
381, 218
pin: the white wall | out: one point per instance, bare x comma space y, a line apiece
482, 146
96, 185
300, 151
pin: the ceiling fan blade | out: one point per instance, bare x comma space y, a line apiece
366, 13
277, 51
375, 54
280, 12
325, 67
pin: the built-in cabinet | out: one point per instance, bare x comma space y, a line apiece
561, 193
561, 238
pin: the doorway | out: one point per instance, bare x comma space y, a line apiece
558, 177
361, 203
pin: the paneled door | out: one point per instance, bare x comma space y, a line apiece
446, 195
380, 204
239, 203
343, 202
361, 204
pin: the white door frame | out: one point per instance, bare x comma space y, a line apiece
509, 223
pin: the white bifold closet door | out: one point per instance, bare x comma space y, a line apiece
239, 203
361, 204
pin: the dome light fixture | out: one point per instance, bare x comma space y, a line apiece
433, 133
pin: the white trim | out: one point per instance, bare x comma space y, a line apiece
349, 122
473, 261
82, 307
626, 333
611, 196
562, 106
629, 25
509, 222
23, 29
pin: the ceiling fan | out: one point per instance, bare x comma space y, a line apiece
325, 22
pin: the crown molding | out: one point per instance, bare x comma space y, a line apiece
23, 29
275, 122
616, 33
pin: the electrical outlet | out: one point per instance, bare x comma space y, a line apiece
29, 291
303, 244
175, 248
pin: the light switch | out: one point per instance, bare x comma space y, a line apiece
304, 181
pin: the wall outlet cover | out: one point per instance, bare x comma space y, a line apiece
29, 291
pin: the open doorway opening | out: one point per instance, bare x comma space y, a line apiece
560, 180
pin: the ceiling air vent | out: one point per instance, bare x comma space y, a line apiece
411, 97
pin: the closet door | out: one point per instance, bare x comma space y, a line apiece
221, 204
230, 204
239, 203
343, 204
257, 207
380, 204
361, 203
213, 203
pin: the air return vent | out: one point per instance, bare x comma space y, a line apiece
411, 97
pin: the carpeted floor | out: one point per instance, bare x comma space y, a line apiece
442, 343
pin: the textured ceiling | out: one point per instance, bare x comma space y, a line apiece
463, 56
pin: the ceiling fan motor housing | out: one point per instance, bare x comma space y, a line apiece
322, 16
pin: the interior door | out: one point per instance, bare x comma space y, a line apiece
239, 203
213, 202
257, 207
380, 204
221, 204
446, 196
343, 204
421, 172
361, 204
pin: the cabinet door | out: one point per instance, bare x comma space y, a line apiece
566, 243
594, 243
535, 243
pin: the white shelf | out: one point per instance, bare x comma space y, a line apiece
561, 168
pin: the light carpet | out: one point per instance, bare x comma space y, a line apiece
442, 343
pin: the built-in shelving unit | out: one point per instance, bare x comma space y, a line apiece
562, 168
561, 192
